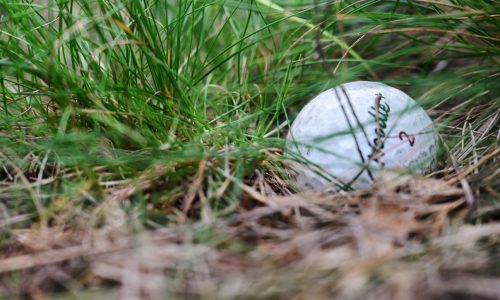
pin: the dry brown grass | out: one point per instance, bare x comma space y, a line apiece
404, 238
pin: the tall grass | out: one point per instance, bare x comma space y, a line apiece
106, 89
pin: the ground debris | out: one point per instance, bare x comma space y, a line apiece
395, 240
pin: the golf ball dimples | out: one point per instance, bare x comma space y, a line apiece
351, 131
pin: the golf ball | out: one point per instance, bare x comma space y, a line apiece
346, 134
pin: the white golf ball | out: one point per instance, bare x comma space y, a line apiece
347, 133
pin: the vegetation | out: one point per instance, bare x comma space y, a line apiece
142, 150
